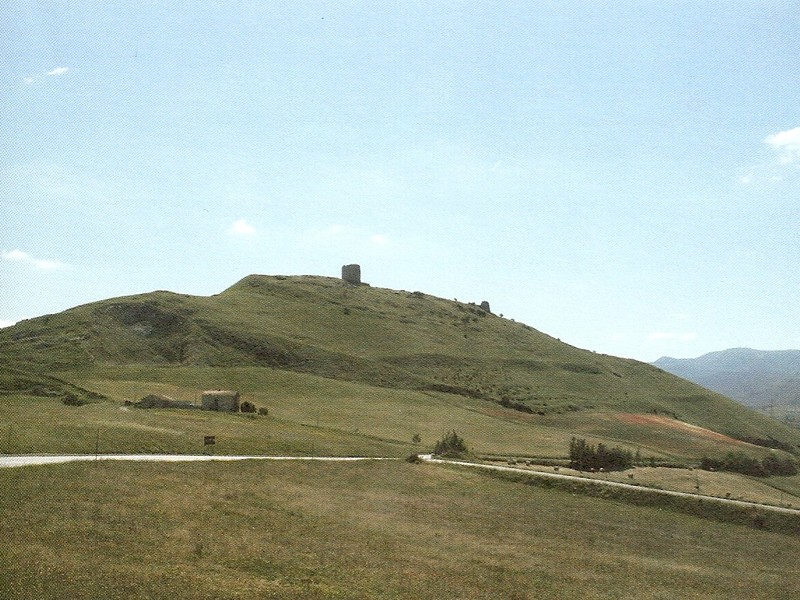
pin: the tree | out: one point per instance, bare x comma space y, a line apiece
586, 457
247, 407
739, 462
451, 446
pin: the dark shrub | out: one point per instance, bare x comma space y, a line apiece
263, 411
71, 399
247, 407
451, 446
776, 465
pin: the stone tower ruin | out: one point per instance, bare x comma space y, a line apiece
351, 274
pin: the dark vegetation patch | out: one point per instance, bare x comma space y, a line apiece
739, 462
769, 443
260, 350
159, 320
581, 368
588, 457
15, 381
526, 364
454, 389
451, 446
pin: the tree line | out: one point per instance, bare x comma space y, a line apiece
588, 457
739, 462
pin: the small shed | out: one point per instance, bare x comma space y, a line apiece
221, 400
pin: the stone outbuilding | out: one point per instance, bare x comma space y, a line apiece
221, 400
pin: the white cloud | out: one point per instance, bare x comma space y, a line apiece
58, 71
787, 143
6, 323
746, 180
28, 80
241, 227
379, 239
19, 256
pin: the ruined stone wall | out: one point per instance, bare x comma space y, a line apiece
351, 274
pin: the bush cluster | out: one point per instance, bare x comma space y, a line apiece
507, 402
71, 399
587, 457
739, 462
451, 446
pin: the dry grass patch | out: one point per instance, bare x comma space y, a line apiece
379, 530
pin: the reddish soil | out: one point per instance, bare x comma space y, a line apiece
665, 421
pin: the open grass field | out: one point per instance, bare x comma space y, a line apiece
380, 530
44, 425
310, 414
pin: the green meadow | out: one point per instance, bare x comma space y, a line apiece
356, 530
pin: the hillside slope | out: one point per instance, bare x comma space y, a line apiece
757, 378
383, 338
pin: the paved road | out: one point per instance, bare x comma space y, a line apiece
45, 459
616, 484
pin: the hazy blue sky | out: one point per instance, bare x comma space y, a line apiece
624, 176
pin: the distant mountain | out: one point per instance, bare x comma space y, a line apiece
755, 378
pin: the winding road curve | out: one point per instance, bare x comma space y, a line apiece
44, 459
615, 484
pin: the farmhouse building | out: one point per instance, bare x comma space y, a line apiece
221, 400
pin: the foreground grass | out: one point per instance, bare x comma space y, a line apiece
380, 530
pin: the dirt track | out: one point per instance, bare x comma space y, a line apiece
616, 484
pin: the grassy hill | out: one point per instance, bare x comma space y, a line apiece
348, 369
